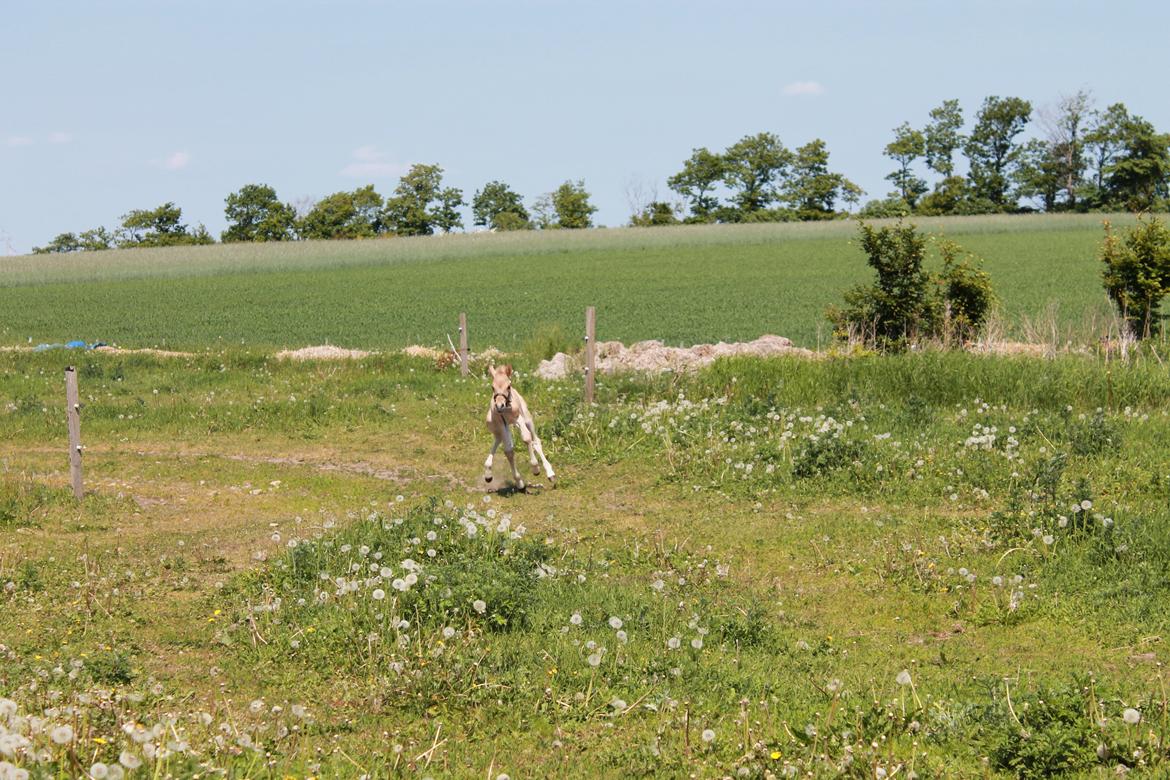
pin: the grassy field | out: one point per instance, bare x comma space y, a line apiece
929, 565
681, 285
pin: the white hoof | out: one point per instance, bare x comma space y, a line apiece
520, 485
536, 469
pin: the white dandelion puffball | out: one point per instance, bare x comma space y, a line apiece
99, 771
708, 735
480, 606
904, 677
1131, 716
62, 735
378, 594
595, 659
673, 643
575, 619
615, 623
697, 643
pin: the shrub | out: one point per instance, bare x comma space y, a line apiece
966, 292
909, 304
1137, 274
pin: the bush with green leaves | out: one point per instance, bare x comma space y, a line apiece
1137, 274
908, 304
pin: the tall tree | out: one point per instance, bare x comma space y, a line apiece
571, 203
1103, 142
992, 149
1065, 134
696, 182
811, 188
908, 145
942, 137
344, 215
1140, 173
1040, 173
446, 212
160, 226
495, 200
752, 168
420, 203
254, 213
62, 243
408, 211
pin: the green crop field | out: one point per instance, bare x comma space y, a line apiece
681, 285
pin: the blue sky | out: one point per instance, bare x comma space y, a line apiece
111, 106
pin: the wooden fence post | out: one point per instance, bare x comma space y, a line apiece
73, 415
590, 352
463, 343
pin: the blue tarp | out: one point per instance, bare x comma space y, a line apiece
68, 345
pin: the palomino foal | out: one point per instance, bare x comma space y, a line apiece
507, 409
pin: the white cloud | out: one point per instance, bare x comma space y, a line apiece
368, 162
176, 161
60, 138
19, 140
799, 88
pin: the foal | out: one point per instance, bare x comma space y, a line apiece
507, 409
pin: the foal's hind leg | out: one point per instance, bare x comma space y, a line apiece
535, 448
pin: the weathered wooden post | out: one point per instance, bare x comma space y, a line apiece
73, 415
590, 352
463, 355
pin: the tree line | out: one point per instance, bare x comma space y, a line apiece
1083, 159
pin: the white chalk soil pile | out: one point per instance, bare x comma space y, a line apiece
323, 352
656, 357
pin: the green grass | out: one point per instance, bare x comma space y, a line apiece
171, 597
680, 285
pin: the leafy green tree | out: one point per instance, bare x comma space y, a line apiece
1040, 173
655, 213
696, 182
408, 209
495, 200
942, 137
811, 189
992, 149
254, 213
752, 168
544, 214
420, 203
1103, 143
96, 239
446, 212
344, 215
1137, 274
949, 196
63, 243
571, 203
161, 226
1140, 172
908, 145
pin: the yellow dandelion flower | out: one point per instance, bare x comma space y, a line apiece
775, 755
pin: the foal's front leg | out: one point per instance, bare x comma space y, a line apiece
496, 439
510, 452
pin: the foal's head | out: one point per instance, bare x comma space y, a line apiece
501, 388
